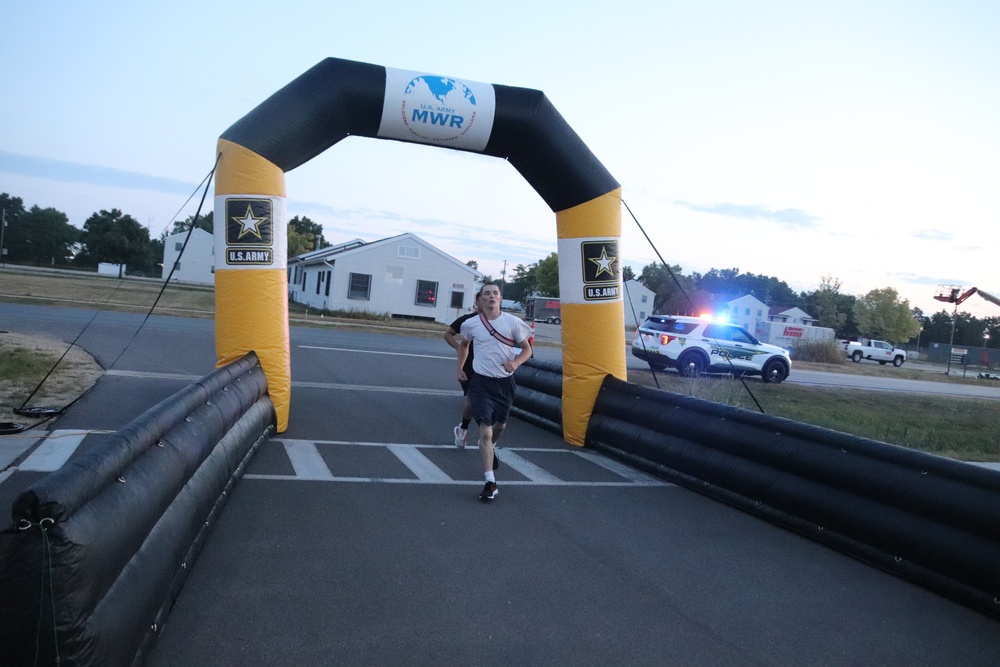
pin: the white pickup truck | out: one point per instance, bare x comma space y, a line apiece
874, 350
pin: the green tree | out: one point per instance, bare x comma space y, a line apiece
730, 283
547, 275
881, 314
827, 304
110, 236
521, 284
627, 274
676, 294
49, 236
304, 236
15, 233
205, 221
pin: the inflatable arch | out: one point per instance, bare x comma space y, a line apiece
338, 98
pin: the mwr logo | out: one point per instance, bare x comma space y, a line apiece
438, 109
248, 256
601, 270
249, 222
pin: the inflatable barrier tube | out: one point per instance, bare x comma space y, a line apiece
932, 520
110, 536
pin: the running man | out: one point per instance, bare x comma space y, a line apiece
501, 341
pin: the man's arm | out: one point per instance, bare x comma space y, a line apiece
521, 357
463, 354
449, 337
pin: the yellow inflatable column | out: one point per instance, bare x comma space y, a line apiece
590, 293
251, 274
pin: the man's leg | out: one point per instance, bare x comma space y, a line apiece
486, 439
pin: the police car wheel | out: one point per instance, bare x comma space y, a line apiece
774, 372
691, 365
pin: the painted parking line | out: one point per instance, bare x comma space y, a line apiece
54, 451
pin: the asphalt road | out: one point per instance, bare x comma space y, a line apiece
356, 536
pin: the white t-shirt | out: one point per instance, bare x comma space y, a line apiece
490, 352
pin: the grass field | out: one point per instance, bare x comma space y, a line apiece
962, 428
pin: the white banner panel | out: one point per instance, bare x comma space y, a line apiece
251, 232
437, 110
589, 270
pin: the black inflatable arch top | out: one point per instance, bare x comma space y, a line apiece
341, 98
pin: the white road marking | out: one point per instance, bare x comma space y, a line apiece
419, 464
620, 469
306, 460
394, 354
15, 445
53, 453
526, 468
427, 472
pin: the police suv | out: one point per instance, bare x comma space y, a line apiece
695, 345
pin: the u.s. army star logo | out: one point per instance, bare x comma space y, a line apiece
249, 222
601, 270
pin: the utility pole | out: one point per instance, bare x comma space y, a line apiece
503, 276
3, 248
951, 342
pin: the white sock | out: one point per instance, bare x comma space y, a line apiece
490, 477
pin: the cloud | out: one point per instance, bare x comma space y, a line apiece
791, 218
72, 172
932, 235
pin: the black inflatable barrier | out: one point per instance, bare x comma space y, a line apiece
100, 548
538, 399
932, 520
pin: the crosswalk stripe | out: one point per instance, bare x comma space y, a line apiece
620, 469
309, 465
306, 460
526, 467
53, 453
419, 464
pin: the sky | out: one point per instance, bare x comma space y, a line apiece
852, 140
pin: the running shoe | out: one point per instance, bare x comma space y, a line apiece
460, 435
496, 460
489, 492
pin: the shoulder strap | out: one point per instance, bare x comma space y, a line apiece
496, 334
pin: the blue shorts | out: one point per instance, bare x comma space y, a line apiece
491, 398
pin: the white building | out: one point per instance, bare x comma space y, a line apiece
638, 303
197, 265
780, 325
747, 311
401, 276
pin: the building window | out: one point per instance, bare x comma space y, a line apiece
759, 313
426, 293
177, 266
178, 246
747, 312
457, 299
360, 287
407, 252
643, 298
329, 276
